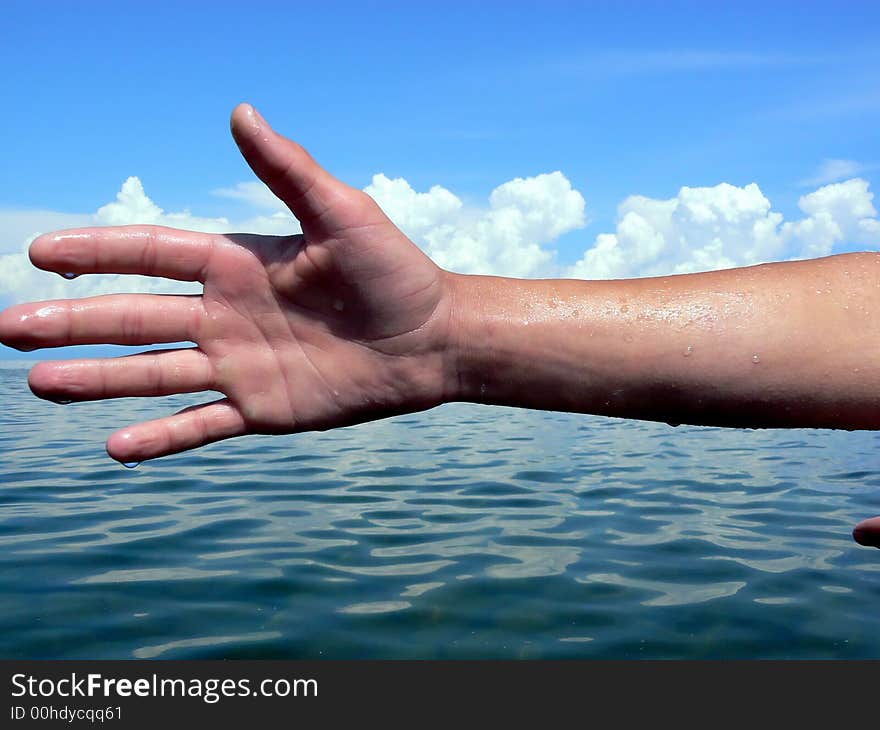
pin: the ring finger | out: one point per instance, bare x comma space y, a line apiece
162, 372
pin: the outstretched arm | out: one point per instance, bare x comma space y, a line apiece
351, 321
793, 344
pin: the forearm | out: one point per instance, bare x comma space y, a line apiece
793, 344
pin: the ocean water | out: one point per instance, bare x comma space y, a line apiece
463, 532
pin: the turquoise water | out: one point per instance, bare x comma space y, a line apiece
463, 532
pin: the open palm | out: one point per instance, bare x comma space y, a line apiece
344, 323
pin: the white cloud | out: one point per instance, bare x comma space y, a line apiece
847, 201
20, 281
253, 193
133, 206
509, 238
833, 170
838, 213
20, 225
725, 226
513, 234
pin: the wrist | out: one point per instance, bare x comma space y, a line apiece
468, 346
548, 344
431, 373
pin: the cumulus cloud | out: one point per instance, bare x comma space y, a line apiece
513, 234
724, 226
509, 238
20, 281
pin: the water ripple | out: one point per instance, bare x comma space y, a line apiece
460, 532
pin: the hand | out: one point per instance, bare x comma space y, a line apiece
345, 323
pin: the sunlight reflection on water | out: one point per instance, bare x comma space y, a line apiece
461, 532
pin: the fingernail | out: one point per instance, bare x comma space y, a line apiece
259, 117
258, 121
245, 124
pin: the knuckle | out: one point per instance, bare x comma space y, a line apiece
191, 371
102, 239
150, 250
359, 200
156, 377
132, 324
196, 321
203, 427
363, 207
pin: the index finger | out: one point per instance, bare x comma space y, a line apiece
147, 250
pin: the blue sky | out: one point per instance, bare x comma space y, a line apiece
622, 98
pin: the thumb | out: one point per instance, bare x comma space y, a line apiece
867, 532
285, 166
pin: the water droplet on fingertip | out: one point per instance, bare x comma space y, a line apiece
130, 464
688, 351
69, 275
756, 359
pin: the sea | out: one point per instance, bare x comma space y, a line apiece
464, 532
